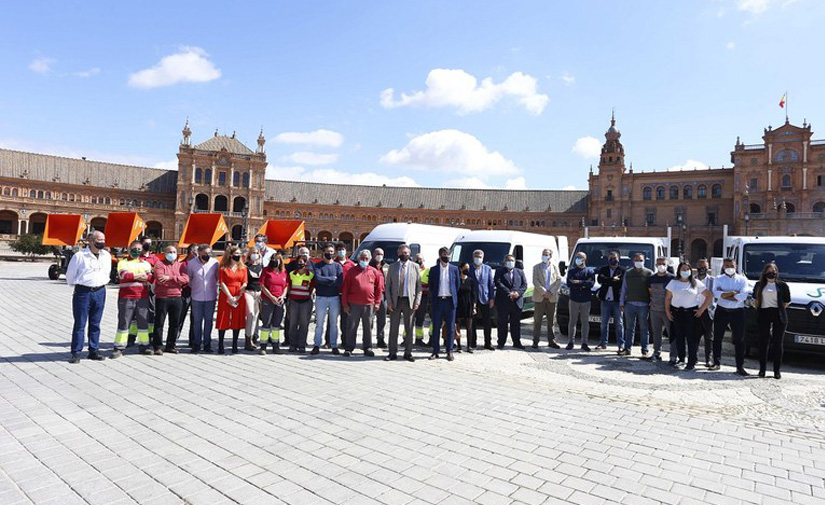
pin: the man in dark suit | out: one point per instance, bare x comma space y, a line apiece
610, 278
443, 283
511, 283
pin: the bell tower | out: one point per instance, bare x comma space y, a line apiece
607, 192
612, 156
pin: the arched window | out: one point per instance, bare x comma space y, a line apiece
716, 191
198, 175
702, 191
787, 155
660, 193
108, 201
33, 193
6, 191
40, 194
246, 179
674, 192
65, 197
687, 192
207, 176
647, 194
786, 181
48, 195
71, 197
819, 207
755, 208
14, 192
236, 179
790, 208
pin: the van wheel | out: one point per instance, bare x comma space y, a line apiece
54, 272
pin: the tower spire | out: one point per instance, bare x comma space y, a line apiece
261, 141
187, 133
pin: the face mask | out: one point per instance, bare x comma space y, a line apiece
660, 268
639, 264
730, 271
205, 257
613, 262
379, 258
236, 257
771, 275
301, 265
274, 263
147, 246
342, 253
579, 262
509, 264
328, 256
465, 271
132, 252
684, 273
702, 271
478, 261
545, 258
170, 257
363, 263
260, 245
254, 256
420, 263
445, 259
404, 257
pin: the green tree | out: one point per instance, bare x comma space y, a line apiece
30, 245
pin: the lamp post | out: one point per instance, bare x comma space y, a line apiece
682, 228
747, 221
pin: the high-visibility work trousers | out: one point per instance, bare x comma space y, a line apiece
128, 309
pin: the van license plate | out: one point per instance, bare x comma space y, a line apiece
594, 319
809, 339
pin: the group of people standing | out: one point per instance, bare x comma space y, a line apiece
690, 307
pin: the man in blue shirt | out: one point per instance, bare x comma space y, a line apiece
730, 293
329, 276
580, 280
482, 276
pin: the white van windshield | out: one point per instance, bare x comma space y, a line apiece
494, 252
796, 262
597, 253
390, 248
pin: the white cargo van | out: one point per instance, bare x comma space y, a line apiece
496, 244
422, 238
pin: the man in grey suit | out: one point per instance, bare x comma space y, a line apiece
546, 284
403, 283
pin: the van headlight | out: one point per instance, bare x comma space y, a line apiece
564, 290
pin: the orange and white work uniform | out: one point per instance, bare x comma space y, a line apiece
133, 300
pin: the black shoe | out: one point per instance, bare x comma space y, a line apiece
776, 374
262, 350
221, 350
116, 354
293, 349
315, 350
335, 351
690, 367
368, 353
553, 345
489, 348
535, 345
450, 357
96, 356
761, 373
172, 350
381, 344
569, 346
208, 350
601, 347
499, 347
390, 357
433, 356
409, 358
585, 347
158, 352
714, 368
74, 359
469, 350
145, 350
518, 346
347, 354
194, 351
741, 371
419, 342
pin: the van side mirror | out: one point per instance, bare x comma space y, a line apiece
562, 267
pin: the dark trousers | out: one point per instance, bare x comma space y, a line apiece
485, 315
735, 318
706, 330
359, 314
686, 333
87, 308
186, 303
443, 313
421, 312
771, 336
381, 321
509, 317
172, 307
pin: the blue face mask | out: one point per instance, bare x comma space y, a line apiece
363, 263
684, 273
545, 258
170, 257
478, 261
579, 262
510, 264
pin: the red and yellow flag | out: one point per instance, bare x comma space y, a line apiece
782, 101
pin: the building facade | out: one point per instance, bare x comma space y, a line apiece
777, 187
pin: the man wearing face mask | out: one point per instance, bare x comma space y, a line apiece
730, 292
580, 280
635, 302
135, 274
444, 279
88, 273
360, 297
264, 250
329, 277
186, 294
346, 264
706, 321
203, 279
170, 278
610, 279
380, 322
546, 284
403, 295
656, 284
511, 284
424, 306
485, 285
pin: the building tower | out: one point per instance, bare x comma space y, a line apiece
606, 191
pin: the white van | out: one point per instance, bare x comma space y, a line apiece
422, 238
496, 244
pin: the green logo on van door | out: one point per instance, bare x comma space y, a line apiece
818, 294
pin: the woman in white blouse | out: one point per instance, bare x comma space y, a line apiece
772, 298
686, 299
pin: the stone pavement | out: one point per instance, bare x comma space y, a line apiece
491, 428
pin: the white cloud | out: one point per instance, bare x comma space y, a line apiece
517, 183
167, 165
450, 151
189, 64
42, 65
88, 73
323, 138
333, 176
688, 165
568, 79
587, 147
461, 90
467, 183
307, 158
753, 7
730, 46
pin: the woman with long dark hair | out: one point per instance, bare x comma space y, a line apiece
772, 297
686, 300
273, 302
231, 301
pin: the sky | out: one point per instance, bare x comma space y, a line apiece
435, 93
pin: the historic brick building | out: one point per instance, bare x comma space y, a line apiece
777, 187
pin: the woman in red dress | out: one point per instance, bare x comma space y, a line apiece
231, 303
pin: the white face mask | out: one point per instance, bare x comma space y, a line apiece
545, 258
661, 268
579, 262
379, 257
254, 257
730, 271
639, 264
478, 261
510, 264
685, 274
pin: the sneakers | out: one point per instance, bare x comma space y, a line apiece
601, 347
645, 354
158, 352
569, 345
623, 352
390, 357
433, 356
315, 351
715, 367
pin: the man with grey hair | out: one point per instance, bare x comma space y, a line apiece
360, 298
580, 279
88, 273
484, 283
546, 284
403, 295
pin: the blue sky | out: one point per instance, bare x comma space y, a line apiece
383, 92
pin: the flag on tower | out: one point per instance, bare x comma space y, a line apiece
782, 101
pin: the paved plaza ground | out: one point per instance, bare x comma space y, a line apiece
490, 428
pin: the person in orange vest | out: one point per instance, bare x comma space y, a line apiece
301, 284
135, 274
